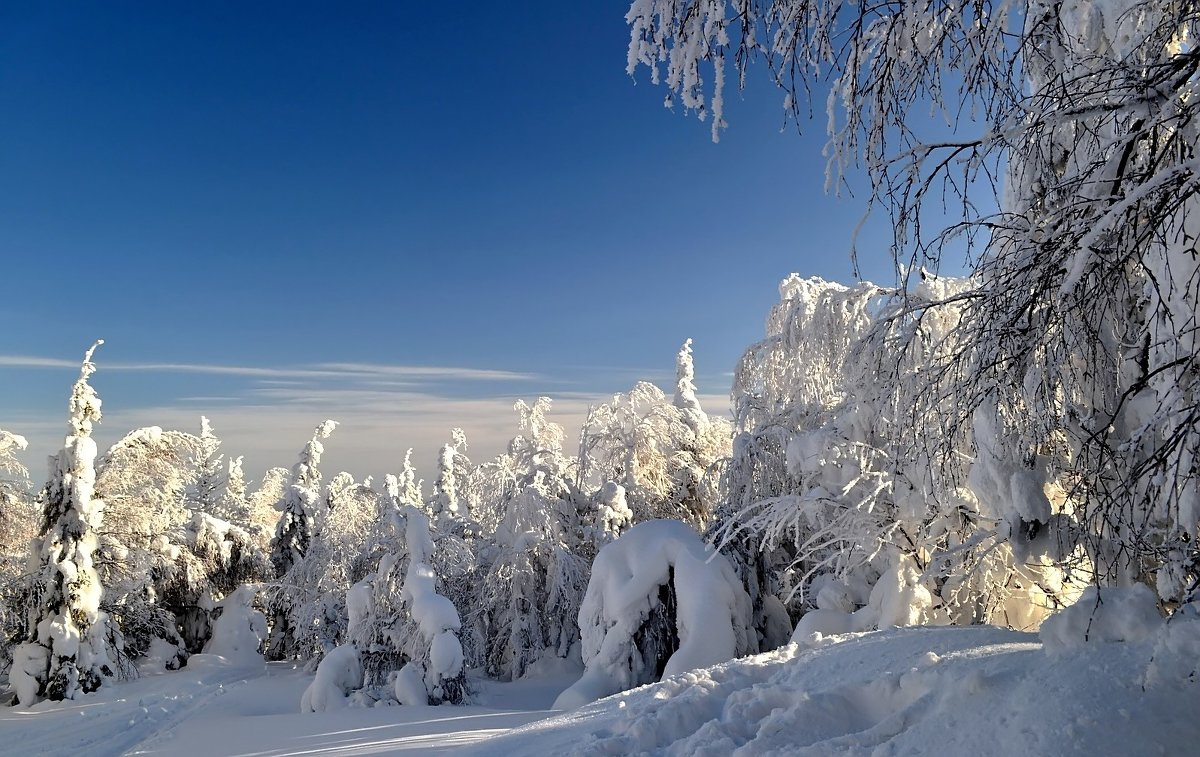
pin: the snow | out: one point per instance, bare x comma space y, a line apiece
906, 691
1110, 614
947, 690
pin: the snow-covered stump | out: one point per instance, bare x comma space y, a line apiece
660, 602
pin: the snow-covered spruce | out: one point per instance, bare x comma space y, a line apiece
534, 562
293, 533
71, 644
660, 602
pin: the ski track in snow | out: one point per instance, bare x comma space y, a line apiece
117, 724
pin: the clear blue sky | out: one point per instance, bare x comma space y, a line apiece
233, 193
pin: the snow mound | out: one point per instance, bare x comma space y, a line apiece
1127, 613
711, 615
911, 691
339, 673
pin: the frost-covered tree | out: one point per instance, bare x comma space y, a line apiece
233, 505
18, 526
342, 551
661, 452
206, 492
448, 506
405, 629
536, 559
71, 647
439, 658
263, 517
1068, 172
143, 479
293, 533
838, 496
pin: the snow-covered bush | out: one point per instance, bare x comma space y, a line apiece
1103, 614
239, 630
659, 602
339, 673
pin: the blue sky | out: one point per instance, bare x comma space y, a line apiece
402, 217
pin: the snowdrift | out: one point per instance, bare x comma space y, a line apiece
915, 691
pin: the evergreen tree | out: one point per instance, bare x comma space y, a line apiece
293, 533
71, 645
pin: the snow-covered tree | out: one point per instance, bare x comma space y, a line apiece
448, 506
143, 479
536, 559
233, 505
71, 646
293, 533
659, 602
263, 517
1070, 180
439, 659
18, 526
404, 627
661, 452
208, 489
342, 551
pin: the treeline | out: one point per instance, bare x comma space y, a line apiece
850, 492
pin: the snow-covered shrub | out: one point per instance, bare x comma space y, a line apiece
1177, 649
239, 630
659, 602
70, 646
339, 673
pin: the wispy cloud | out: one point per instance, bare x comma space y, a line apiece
314, 371
30, 361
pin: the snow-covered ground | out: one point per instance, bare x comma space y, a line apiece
914, 691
